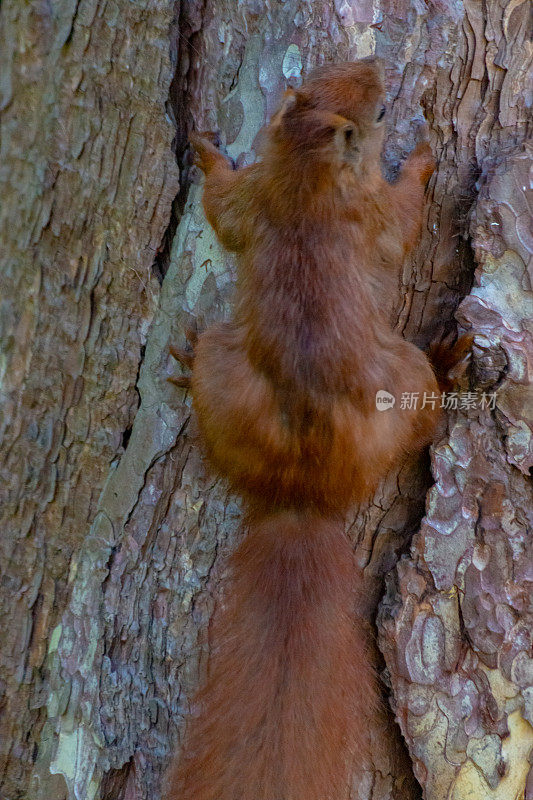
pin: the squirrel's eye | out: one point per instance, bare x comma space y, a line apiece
381, 114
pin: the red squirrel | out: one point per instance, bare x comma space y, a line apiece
285, 396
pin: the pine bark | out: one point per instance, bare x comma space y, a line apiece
114, 534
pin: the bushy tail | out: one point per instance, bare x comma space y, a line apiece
283, 715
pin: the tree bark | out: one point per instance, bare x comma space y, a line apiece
114, 534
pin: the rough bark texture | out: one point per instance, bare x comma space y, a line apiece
88, 178
113, 535
457, 624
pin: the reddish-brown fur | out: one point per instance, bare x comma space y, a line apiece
285, 398
290, 681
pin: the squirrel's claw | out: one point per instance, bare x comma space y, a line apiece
207, 152
184, 357
450, 361
183, 381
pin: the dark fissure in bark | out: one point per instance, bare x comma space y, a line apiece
115, 782
184, 51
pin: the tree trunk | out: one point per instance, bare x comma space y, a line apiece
114, 535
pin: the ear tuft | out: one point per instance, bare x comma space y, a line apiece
288, 102
292, 98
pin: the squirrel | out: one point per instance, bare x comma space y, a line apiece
285, 397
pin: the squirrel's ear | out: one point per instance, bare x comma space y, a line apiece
288, 101
291, 99
346, 141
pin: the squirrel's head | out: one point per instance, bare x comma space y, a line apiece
353, 92
306, 134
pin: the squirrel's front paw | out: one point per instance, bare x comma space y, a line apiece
207, 154
421, 161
